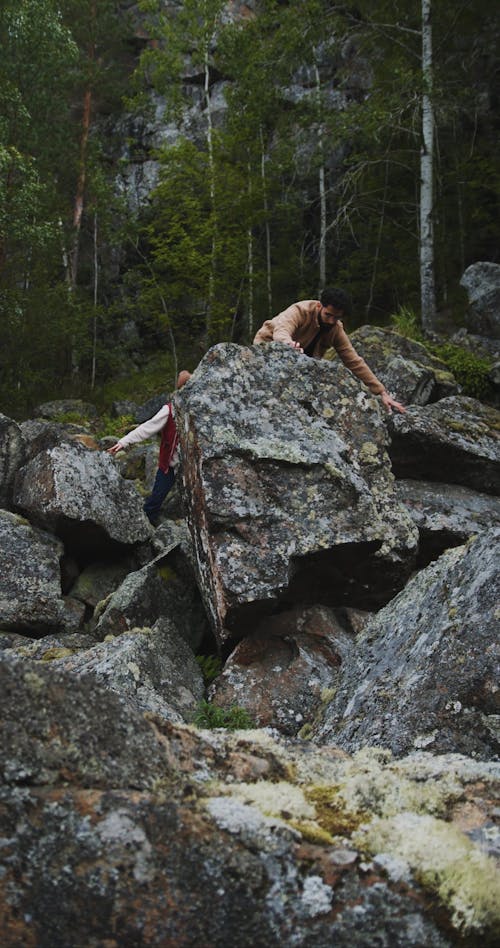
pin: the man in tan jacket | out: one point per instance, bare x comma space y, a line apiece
313, 326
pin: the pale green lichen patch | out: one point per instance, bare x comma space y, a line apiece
57, 652
368, 453
445, 861
372, 781
281, 799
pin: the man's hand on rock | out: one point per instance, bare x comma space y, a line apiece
390, 403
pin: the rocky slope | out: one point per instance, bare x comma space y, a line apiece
344, 565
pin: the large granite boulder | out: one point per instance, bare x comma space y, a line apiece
455, 441
165, 587
288, 487
286, 670
118, 828
80, 495
482, 283
155, 668
30, 577
12, 449
446, 514
426, 668
408, 370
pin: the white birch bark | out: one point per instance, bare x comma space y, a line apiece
211, 171
322, 188
427, 286
266, 225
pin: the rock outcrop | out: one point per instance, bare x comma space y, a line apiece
12, 451
482, 283
426, 668
408, 370
289, 491
118, 828
74, 491
30, 577
363, 811
455, 441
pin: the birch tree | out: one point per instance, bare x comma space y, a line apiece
427, 286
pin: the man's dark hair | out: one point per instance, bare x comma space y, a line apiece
332, 296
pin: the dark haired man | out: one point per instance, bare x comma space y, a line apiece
313, 326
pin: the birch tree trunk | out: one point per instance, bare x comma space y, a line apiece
322, 188
266, 225
209, 329
427, 286
250, 261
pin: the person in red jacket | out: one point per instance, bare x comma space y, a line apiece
168, 461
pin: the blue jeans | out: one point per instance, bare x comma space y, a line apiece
163, 483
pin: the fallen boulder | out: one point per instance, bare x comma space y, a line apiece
79, 494
30, 578
12, 452
164, 588
446, 515
154, 668
455, 441
482, 283
285, 671
408, 370
288, 488
426, 668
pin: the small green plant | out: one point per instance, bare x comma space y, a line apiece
233, 718
71, 418
114, 427
211, 667
470, 370
406, 323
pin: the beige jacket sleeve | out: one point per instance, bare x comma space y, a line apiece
355, 362
286, 323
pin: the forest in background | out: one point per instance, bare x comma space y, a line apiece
309, 175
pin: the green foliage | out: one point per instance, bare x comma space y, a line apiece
138, 384
470, 370
114, 427
211, 667
234, 718
407, 323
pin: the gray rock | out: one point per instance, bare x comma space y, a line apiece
446, 514
426, 669
455, 441
284, 672
50, 647
165, 587
12, 452
124, 407
57, 727
66, 406
117, 827
42, 435
482, 346
30, 577
98, 580
154, 668
408, 370
482, 283
287, 487
79, 493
